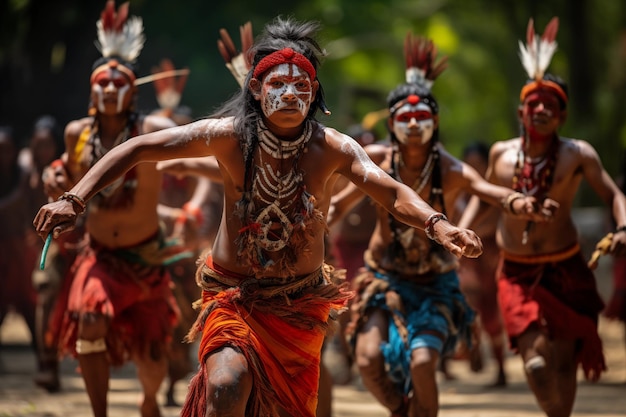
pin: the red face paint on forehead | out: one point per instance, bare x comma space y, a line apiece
106, 76
418, 115
542, 95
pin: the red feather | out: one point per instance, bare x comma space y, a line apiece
549, 35
530, 32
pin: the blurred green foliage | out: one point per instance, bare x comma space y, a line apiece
46, 52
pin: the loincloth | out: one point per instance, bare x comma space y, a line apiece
558, 293
428, 313
134, 295
278, 325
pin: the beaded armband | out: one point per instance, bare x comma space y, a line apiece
620, 229
429, 225
76, 200
507, 202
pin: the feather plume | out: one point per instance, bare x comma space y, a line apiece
538, 51
169, 84
237, 62
421, 62
119, 35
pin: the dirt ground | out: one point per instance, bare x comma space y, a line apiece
467, 396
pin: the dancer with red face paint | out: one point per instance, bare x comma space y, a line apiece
409, 310
547, 294
268, 297
117, 305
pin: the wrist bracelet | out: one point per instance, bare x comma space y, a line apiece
75, 200
507, 203
429, 225
620, 229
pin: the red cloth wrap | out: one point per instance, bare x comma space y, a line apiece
616, 307
284, 357
138, 299
557, 293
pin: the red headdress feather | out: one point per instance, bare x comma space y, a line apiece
237, 62
420, 56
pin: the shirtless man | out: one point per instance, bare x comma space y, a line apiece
547, 294
410, 310
267, 295
118, 304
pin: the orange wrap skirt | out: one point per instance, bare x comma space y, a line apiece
281, 337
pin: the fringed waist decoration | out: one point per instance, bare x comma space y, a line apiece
154, 251
416, 278
213, 278
544, 258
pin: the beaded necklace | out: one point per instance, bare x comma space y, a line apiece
275, 198
534, 177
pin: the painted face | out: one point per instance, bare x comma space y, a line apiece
286, 88
111, 87
413, 120
541, 114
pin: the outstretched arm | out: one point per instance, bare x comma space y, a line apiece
605, 187
186, 141
200, 167
401, 201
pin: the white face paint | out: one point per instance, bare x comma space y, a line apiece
282, 82
413, 119
107, 81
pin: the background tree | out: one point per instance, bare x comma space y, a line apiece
46, 53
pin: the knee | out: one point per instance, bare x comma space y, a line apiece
424, 362
92, 327
537, 369
368, 356
227, 390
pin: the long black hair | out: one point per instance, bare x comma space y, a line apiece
279, 34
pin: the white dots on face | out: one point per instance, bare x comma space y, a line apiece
286, 86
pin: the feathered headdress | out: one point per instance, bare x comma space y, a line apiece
422, 66
119, 37
420, 56
536, 56
237, 62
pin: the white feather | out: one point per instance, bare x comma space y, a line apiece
528, 56
126, 44
546, 51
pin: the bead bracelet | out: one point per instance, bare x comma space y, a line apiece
74, 199
429, 225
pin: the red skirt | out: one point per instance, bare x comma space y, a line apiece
558, 293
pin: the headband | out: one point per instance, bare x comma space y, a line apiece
284, 56
543, 84
113, 64
411, 99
